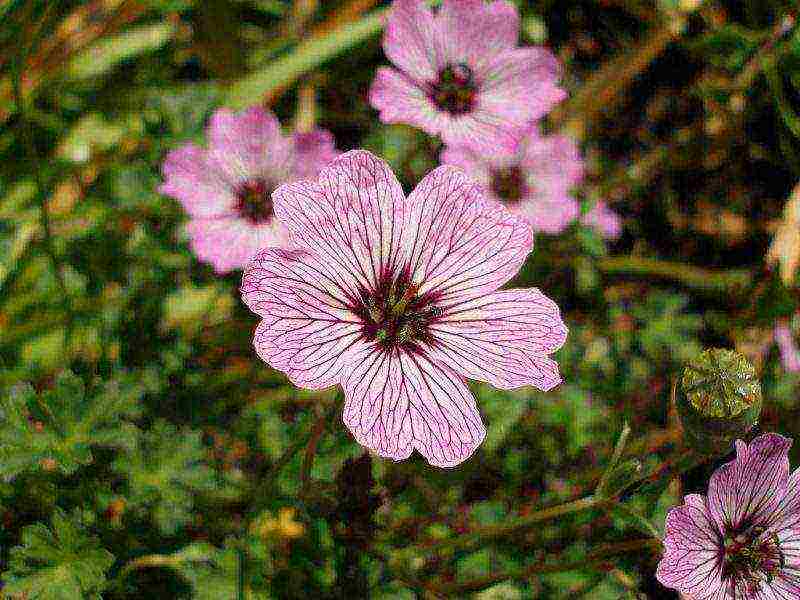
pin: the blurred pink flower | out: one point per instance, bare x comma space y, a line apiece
533, 182
226, 189
790, 355
742, 541
395, 299
461, 75
604, 220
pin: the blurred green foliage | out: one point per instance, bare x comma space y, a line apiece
146, 452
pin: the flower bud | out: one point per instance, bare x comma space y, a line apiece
719, 400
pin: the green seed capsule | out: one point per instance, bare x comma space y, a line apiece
719, 401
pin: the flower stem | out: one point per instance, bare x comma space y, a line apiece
708, 280
671, 467
311, 449
30, 149
596, 557
514, 525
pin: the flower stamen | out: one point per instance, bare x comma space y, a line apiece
254, 200
456, 90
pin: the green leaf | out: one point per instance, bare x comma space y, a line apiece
306, 56
107, 53
91, 133
728, 46
211, 571
575, 410
57, 428
62, 562
191, 307
164, 473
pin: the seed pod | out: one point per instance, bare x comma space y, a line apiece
719, 400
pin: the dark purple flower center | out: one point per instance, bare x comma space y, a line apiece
254, 200
396, 315
455, 90
751, 559
509, 184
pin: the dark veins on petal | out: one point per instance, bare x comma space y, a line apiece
395, 314
509, 184
455, 90
752, 559
254, 200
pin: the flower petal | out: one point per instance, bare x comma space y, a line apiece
401, 100
229, 243
484, 130
352, 219
396, 402
692, 555
308, 332
188, 179
604, 220
475, 31
460, 245
751, 486
521, 86
790, 355
476, 166
248, 144
412, 39
554, 160
312, 152
503, 338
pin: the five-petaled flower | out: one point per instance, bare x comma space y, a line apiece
534, 181
742, 541
461, 75
226, 188
395, 299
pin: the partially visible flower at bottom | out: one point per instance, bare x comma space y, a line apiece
396, 299
604, 220
227, 187
790, 354
742, 540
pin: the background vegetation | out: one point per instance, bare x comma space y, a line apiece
146, 452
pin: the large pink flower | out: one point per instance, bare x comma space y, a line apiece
742, 541
534, 181
226, 189
395, 299
460, 73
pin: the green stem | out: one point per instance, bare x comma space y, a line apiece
27, 137
669, 468
308, 55
311, 449
708, 280
619, 448
595, 557
515, 525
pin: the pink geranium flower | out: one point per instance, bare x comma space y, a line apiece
226, 188
790, 355
535, 181
395, 299
742, 541
460, 73
604, 220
